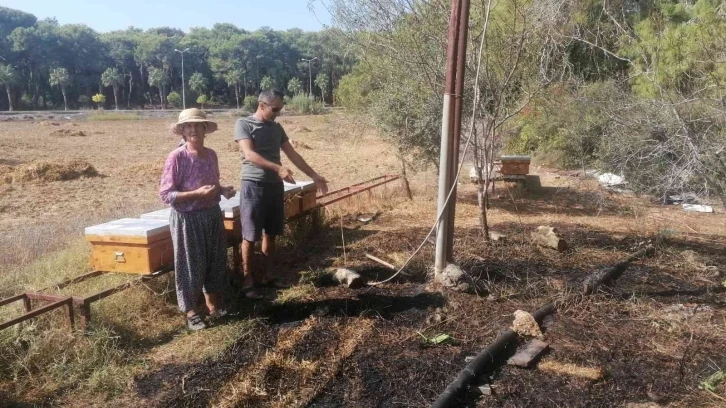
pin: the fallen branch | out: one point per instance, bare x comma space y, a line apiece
608, 275
482, 361
382, 262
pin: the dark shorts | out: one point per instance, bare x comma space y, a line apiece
262, 209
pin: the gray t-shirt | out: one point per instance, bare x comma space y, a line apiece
267, 137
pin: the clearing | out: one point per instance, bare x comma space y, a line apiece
652, 338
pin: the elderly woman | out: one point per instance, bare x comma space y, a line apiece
190, 185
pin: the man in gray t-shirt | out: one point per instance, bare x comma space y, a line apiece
262, 207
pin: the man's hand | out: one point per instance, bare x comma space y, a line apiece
207, 191
321, 183
228, 192
286, 174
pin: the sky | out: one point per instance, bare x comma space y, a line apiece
110, 15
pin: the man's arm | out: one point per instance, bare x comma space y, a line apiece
248, 149
301, 164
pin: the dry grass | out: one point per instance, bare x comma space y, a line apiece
47, 171
297, 293
557, 367
140, 333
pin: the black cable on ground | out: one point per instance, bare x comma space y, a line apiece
481, 363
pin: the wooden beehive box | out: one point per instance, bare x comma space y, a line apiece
131, 245
232, 223
157, 215
292, 199
515, 165
309, 193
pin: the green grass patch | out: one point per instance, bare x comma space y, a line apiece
112, 116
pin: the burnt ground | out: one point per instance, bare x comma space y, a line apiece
655, 334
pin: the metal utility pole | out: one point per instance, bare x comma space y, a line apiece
450, 132
310, 74
184, 88
458, 105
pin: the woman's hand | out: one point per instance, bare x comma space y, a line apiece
228, 192
207, 191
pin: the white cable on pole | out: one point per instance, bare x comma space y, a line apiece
458, 172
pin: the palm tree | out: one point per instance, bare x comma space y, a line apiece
294, 86
321, 81
235, 78
267, 83
197, 83
158, 79
60, 77
7, 77
114, 78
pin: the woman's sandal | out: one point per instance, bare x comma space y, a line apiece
195, 322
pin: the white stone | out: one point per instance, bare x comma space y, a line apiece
610, 179
698, 208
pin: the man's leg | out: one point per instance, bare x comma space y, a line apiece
274, 226
248, 254
268, 253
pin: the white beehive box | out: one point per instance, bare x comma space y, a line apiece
131, 245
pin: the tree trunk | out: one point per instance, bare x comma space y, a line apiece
10, 98
236, 95
34, 87
322, 96
404, 176
131, 88
482, 201
142, 85
115, 95
161, 97
65, 101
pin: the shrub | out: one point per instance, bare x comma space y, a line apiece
175, 99
250, 103
305, 105
100, 99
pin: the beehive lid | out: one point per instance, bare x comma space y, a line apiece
516, 158
307, 185
291, 189
230, 207
136, 228
157, 215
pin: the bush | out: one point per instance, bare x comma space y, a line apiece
84, 100
202, 99
99, 99
353, 90
566, 126
175, 99
305, 105
250, 103
26, 101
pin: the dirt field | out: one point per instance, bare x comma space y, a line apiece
651, 338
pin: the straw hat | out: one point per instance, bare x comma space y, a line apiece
193, 115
